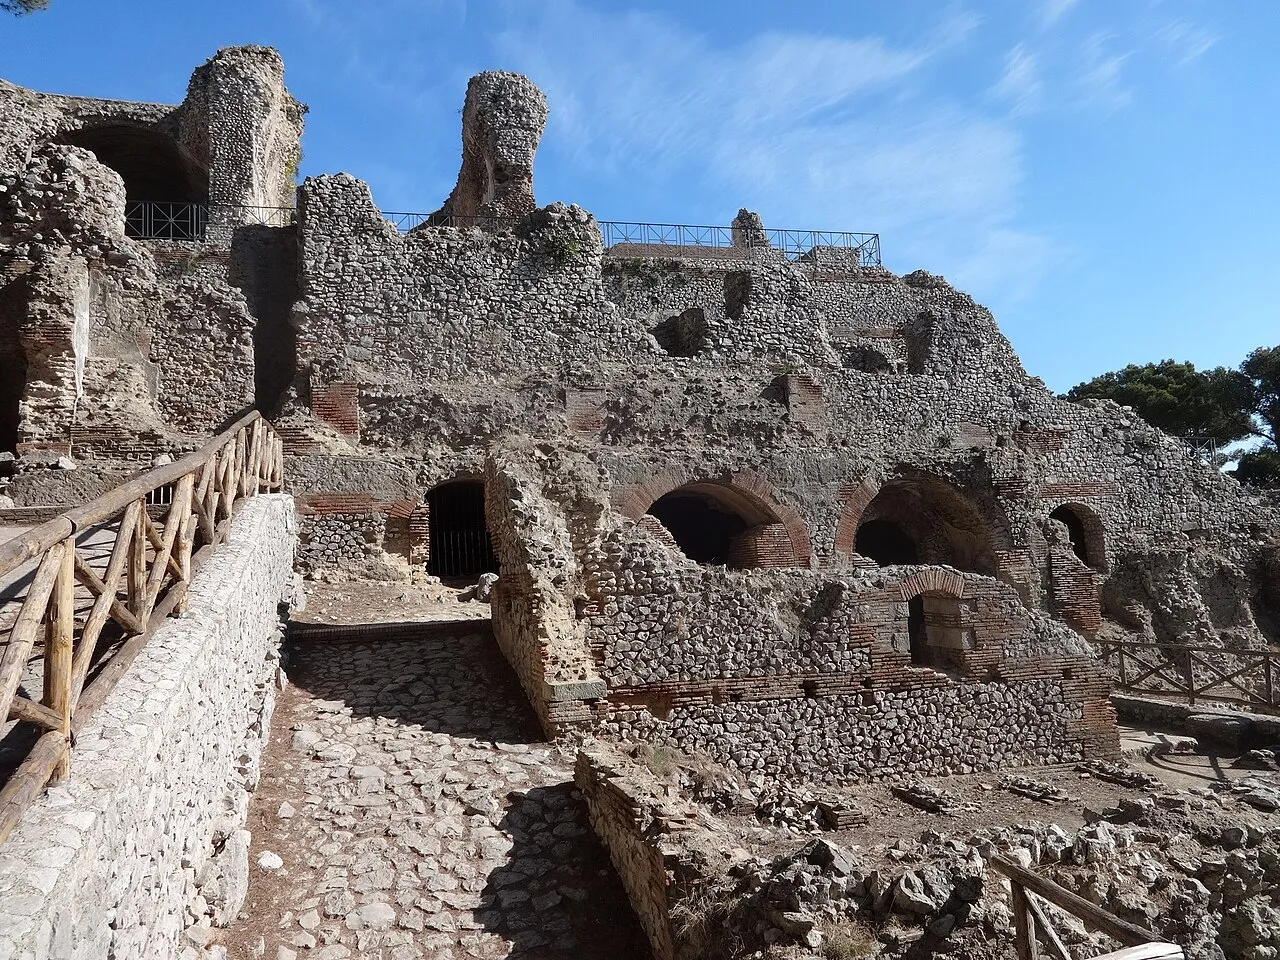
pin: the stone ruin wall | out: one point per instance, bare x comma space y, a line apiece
146, 840
817, 390
125, 350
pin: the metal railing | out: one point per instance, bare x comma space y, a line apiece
795, 244
162, 220
862, 249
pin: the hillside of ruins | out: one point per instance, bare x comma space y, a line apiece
497, 581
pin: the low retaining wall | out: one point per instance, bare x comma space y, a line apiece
120, 860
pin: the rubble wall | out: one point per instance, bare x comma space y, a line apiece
120, 859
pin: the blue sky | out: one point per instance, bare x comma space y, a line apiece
1101, 173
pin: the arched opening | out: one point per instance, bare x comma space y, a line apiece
149, 162
937, 628
923, 519
713, 523
13, 363
684, 335
458, 544
886, 543
1085, 532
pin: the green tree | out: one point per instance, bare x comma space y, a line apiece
1223, 404
1178, 398
23, 6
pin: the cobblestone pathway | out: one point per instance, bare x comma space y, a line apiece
418, 815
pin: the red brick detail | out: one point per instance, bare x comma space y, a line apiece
420, 534
338, 404
315, 504
855, 500
297, 441
1043, 441
585, 410
60, 448
932, 580
805, 402
1075, 593
1070, 491
768, 545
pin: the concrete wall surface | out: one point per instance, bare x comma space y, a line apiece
131, 850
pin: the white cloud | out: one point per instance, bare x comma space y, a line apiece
1185, 42
1051, 11
1099, 82
1020, 84
812, 131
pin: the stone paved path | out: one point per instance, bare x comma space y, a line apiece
418, 815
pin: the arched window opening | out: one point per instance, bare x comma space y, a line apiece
937, 628
149, 162
886, 543
925, 520
1085, 532
713, 523
457, 533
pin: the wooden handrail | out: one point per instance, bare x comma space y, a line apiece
30, 544
145, 580
1028, 917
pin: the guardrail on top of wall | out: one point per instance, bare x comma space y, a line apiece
863, 248
161, 220
106, 576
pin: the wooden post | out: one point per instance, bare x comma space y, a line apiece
137, 581
1024, 925
186, 536
1191, 679
59, 648
1266, 671
1124, 674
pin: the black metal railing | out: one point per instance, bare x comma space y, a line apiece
161, 220
863, 248
858, 249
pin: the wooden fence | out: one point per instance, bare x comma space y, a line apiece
1195, 673
1031, 922
75, 618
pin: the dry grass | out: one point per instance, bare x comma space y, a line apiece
848, 941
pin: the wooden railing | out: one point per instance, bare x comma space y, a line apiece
1031, 924
94, 620
1195, 673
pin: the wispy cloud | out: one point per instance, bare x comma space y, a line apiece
810, 130
1020, 84
1099, 82
1051, 11
1185, 42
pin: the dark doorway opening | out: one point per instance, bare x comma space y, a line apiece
1076, 531
886, 543
703, 528
918, 632
460, 547
13, 363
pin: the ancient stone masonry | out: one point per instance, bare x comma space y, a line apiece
147, 839
805, 514
116, 342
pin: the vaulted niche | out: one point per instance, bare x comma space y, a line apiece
923, 519
458, 535
149, 162
714, 523
1088, 540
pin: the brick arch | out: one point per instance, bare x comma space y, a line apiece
855, 500
982, 513
754, 487
946, 583
1092, 529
